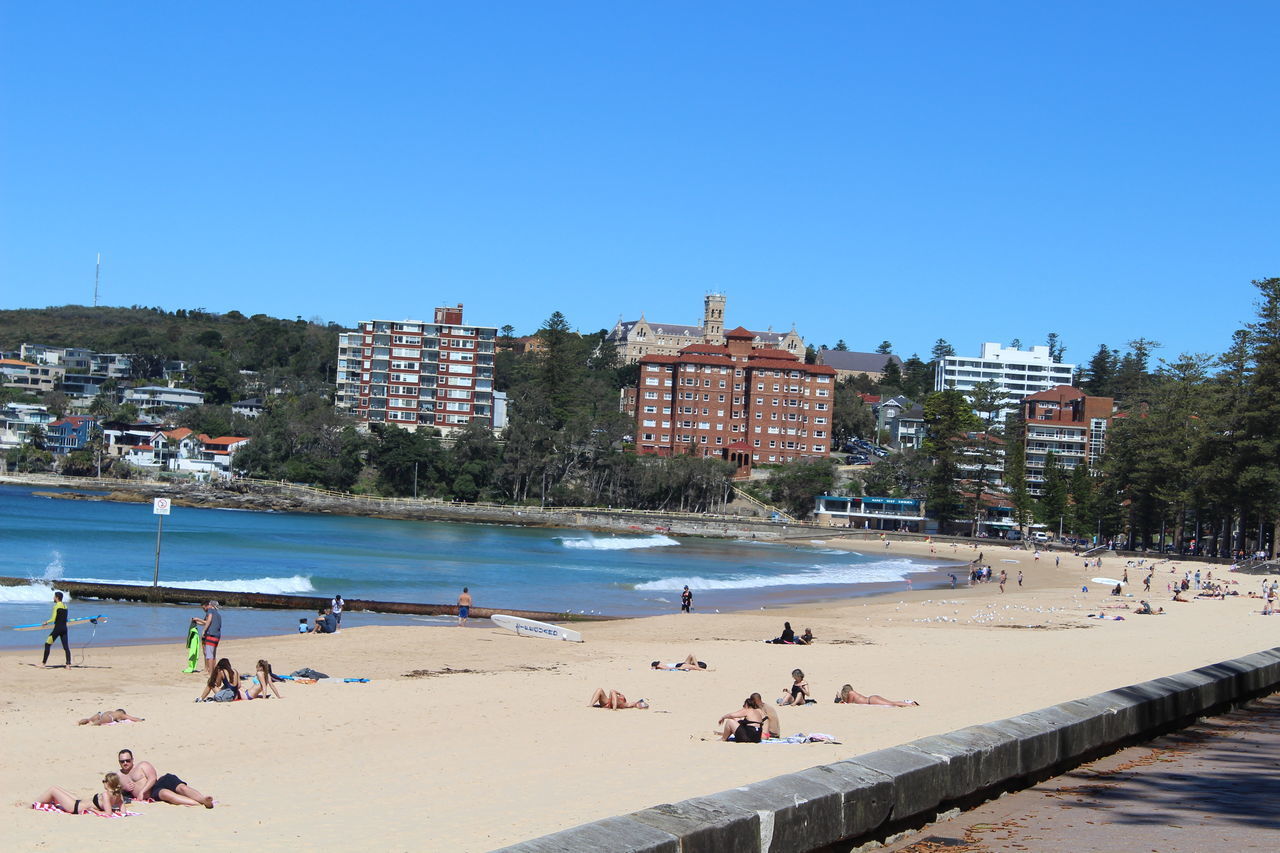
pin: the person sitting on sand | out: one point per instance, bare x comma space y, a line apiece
849, 696
798, 692
787, 635
104, 718
806, 638
326, 622
689, 664
772, 726
1144, 609
140, 781
223, 683
109, 799
262, 679
1177, 596
613, 700
745, 725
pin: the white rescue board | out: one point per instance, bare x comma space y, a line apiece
533, 628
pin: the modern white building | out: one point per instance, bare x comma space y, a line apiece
161, 397
1016, 373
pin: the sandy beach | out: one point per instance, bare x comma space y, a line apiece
469, 739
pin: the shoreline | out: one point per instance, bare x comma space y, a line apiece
485, 698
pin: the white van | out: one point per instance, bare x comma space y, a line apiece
1040, 536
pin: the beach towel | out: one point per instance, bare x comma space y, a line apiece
815, 737
50, 807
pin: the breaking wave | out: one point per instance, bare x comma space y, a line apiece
819, 574
274, 586
618, 543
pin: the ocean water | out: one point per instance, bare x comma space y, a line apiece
46, 540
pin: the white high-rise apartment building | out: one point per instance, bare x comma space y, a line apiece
1016, 373
415, 374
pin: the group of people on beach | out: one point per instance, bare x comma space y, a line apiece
136, 781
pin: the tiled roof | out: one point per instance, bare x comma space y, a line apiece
856, 362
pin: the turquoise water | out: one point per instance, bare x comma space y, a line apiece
47, 540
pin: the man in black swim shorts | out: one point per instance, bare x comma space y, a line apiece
139, 780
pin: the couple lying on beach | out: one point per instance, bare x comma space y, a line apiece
798, 694
225, 686
135, 781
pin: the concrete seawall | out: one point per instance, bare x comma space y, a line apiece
873, 796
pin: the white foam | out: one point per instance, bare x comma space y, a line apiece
274, 586
618, 543
35, 592
885, 571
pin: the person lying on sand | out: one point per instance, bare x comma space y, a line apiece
102, 718
745, 725
798, 692
613, 700
140, 781
849, 696
1144, 609
689, 664
109, 799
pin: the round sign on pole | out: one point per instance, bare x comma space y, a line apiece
160, 506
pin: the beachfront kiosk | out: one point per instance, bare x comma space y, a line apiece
870, 513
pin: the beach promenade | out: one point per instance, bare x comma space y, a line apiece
473, 738
1212, 786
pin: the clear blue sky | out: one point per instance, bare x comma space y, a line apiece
971, 171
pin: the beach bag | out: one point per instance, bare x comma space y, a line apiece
226, 694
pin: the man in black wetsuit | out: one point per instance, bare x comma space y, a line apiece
59, 620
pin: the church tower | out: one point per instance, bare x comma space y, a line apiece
713, 319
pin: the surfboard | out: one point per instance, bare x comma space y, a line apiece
1108, 581
43, 626
533, 628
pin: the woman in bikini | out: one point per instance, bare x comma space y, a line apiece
106, 718
108, 800
224, 677
263, 679
849, 696
745, 725
613, 700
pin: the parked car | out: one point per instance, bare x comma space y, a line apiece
1041, 536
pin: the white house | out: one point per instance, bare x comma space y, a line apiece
158, 396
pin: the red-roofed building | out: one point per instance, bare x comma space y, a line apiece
1068, 423
734, 402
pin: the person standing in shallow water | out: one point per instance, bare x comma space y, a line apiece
686, 600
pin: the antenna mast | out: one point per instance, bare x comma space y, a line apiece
97, 274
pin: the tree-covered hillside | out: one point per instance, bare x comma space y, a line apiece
216, 346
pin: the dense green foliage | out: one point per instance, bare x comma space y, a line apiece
283, 353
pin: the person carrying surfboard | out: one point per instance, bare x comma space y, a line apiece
59, 620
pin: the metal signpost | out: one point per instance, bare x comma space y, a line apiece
160, 508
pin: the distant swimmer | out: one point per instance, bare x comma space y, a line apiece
59, 620
464, 606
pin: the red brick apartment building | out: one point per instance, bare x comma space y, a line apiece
412, 374
1068, 423
749, 406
